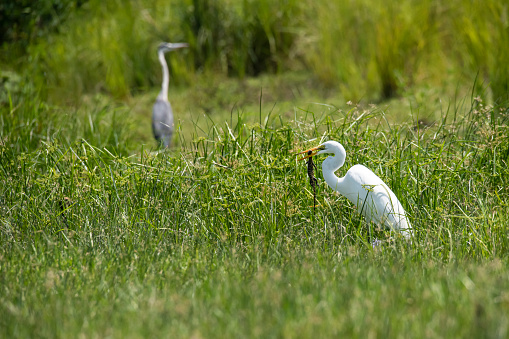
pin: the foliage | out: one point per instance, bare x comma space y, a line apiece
22, 22
218, 238
483, 29
241, 39
113, 50
365, 49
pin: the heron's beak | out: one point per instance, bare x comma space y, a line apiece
309, 153
181, 45
170, 46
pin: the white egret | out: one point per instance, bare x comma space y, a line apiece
162, 114
373, 198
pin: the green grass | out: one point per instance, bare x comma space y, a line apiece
217, 237
365, 50
101, 235
230, 291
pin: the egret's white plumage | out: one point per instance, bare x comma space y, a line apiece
373, 198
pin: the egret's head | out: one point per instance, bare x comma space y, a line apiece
168, 46
326, 147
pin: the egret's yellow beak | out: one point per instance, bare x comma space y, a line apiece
310, 152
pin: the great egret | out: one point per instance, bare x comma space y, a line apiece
162, 114
373, 198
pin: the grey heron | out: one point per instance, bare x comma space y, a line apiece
162, 114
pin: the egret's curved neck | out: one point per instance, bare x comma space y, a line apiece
331, 165
166, 77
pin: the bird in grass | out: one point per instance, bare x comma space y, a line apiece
373, 198
162, 114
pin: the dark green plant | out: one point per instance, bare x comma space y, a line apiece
22, 22
246, 38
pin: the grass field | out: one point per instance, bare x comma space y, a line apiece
102, 235
218, 238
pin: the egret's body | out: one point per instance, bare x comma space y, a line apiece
372, 197
162, 114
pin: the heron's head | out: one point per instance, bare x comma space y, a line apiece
327, 147
168, 46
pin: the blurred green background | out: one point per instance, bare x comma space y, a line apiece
83, 56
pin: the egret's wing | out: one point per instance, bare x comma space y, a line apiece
375, 200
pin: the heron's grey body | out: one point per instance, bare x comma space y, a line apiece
162, 122
162, 114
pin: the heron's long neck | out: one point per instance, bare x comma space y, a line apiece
329, 166
166, 77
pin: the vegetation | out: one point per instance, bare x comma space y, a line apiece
103, 235
368, 50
